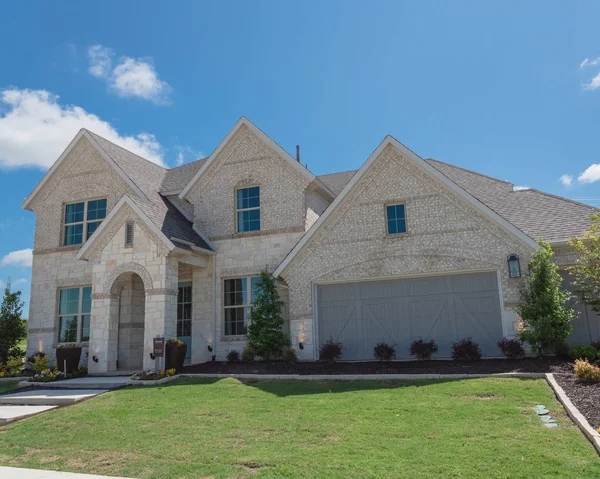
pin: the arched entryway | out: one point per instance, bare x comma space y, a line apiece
130, 289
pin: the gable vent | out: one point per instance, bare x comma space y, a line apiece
128, 234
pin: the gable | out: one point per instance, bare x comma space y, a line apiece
248, 160
438, 212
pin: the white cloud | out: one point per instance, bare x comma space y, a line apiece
566, 180
22, 257
179, 159
595, 83
21, 281
36, 129
100, 60
2, 285
519, 188
589, 63
590, 175
130, 78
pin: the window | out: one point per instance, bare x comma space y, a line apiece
82, 219
396, 219
238, 303
184, 315
248, 209
75, 306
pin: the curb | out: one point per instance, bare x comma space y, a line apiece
354, 377
574, 414
16, 378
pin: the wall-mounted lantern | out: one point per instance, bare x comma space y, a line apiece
514, 266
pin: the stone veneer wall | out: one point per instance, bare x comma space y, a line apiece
445, 234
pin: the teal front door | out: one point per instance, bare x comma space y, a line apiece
184, 316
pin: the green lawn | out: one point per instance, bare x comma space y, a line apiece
222, 428
6, 386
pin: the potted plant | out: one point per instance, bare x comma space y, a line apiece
67, 357
175, 351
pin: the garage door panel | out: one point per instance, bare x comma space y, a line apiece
586, 326
438, 308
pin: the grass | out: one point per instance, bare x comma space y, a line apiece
224, 428
6, 386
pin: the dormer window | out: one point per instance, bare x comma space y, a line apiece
248, 209
82, 219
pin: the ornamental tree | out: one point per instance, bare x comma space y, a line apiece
586, 271
544, 306
265, 335
12, 328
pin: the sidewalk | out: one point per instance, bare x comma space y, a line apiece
18, 473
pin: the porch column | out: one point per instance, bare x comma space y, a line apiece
161, 310
103, 333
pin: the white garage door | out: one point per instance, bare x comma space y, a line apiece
443, 308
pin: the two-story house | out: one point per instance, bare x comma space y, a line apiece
126, 251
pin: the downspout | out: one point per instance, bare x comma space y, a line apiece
214, 307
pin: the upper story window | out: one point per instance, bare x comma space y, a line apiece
239, 294
396, 219
248, 209
75, 306
82, 219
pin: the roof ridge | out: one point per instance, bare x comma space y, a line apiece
186, 164
470, 171
123, 148
578, 203
338, 172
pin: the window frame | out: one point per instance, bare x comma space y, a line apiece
246, 307
80, 314
386, 226
84, 224
241, 210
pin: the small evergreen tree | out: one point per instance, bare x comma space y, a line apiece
544, 305
12, 327
586, 271
265, 335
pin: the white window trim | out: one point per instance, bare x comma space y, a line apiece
240, 210
84, 236
79, 314
248, 280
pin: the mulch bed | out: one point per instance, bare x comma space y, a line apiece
485, 366
585, 396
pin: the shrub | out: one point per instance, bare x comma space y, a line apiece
14, 366
233, 356
563, 351
384, 352
586, 371
289, 355
330, 351
422, 349
511, 348
544, 305
31, 358
39, 363
150, 375
265, 332
248, 354
587, 352
466, 350
596, 344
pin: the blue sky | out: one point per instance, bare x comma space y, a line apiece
503, 88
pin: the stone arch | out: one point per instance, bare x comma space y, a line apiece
112, 283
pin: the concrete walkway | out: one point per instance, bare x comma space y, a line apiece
19, 473
89, 382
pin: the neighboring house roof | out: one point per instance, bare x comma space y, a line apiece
177, 178
336, 181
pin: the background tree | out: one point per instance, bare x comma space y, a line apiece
265, 335
12, 327
586, 272
544, 306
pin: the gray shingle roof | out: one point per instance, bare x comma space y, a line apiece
149, 178
534, 212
